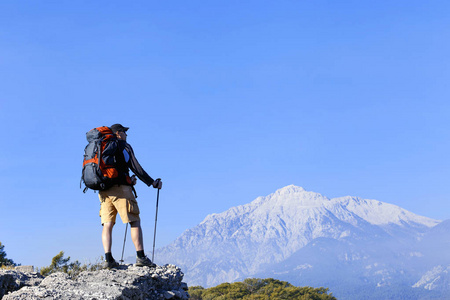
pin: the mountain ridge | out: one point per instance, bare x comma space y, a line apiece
247, 239
317, 200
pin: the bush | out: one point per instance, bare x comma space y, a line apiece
196, 292
259, 289
5, 262
61, 264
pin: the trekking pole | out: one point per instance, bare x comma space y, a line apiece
154, 233
124, 239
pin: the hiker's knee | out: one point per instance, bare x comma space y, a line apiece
108, 225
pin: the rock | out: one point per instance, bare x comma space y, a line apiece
127, 282
184, 286
13, 280
25, 269
169, 295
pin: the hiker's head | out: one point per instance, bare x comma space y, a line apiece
120, 131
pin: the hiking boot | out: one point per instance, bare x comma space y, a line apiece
144, 261
110, 264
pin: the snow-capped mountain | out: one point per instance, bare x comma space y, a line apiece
289, 233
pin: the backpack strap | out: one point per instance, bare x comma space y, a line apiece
134, 192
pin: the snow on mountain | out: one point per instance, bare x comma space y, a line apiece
379, 213
435, 278
246, 239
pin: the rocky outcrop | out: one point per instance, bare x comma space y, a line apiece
127, 282
15, 279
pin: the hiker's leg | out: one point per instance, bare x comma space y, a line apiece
136, 235
107, 236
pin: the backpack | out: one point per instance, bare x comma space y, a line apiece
99, 170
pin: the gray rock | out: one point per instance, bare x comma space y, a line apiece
128, 282
169, 295
25, 269
12, 280
184, 286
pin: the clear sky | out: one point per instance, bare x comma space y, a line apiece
226, 101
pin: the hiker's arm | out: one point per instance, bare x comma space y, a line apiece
136, 168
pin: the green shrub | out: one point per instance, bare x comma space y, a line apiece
5, 262
61, 264
259, 289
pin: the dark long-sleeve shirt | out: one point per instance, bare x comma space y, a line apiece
129, 162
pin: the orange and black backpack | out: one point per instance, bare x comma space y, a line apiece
99, 164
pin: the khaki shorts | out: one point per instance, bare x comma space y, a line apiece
118, 199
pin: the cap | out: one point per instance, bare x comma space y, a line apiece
118, 127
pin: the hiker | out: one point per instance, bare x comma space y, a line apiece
120, 198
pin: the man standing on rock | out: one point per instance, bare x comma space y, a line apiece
120, 199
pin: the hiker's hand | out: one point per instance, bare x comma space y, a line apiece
157, 184
133, 180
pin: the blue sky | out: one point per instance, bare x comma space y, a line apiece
226, 101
